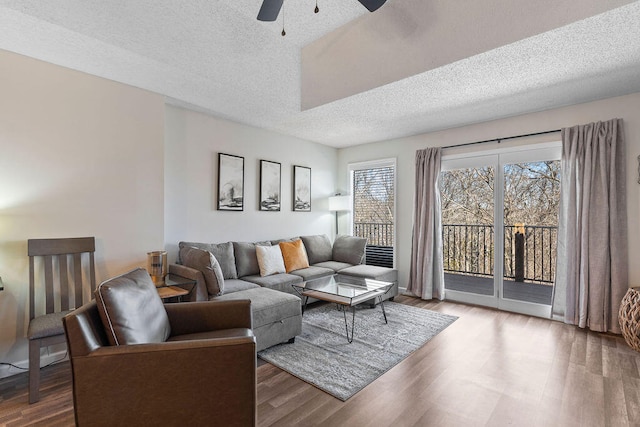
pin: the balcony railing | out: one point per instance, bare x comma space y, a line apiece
530, 254
468, 249
379, 237
376, 233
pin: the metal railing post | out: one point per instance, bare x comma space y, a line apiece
519, 257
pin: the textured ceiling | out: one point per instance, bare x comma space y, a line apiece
214, 56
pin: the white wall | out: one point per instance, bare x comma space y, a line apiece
193, 141
85, 156
625, 107
79, 156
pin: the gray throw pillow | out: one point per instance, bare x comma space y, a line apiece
223, 253
205, 262
246, 258
289, 239
131, 309
349, 249
318, 248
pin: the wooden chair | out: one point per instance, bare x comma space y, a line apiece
62, 291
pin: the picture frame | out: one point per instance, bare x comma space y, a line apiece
301, 189
270, 186
230, 182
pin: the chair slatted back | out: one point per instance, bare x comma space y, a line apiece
60, 251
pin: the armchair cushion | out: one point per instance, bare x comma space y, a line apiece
208, 265
349, 249
131, 309
204, 316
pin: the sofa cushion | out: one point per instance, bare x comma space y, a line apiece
131, 309
333, 265
372, 272
269, 260
289, 239
349, 249
267, 306
294, 255
246, 259
208, 265
237, 285
313, 272
276, 281
318, 248
223, 253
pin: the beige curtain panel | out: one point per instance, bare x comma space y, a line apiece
592, 274
426, 277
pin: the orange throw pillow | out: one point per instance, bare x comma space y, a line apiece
294, 255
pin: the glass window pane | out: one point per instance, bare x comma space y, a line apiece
467, 229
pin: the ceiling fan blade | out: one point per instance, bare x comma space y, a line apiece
372, 5
269, 10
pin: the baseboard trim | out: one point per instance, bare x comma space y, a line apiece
45, 359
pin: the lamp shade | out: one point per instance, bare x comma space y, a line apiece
339, 203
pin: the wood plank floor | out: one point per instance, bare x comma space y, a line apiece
489, 368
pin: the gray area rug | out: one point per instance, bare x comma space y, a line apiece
322, 356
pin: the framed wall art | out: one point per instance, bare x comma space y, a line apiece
230, 182
270, 180
301, 189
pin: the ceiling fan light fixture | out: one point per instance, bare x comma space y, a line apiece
271, 8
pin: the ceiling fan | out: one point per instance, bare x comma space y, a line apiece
271, 8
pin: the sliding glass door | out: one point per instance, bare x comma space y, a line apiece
499, 216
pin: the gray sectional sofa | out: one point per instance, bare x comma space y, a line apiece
233, 272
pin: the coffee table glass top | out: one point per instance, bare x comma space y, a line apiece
341, 289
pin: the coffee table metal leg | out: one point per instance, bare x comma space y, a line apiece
353, 322
384, 313
304, 307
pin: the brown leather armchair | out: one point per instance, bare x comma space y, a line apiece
203, 374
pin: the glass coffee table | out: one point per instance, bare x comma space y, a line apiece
346, 291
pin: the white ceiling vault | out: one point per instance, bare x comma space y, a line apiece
361, 77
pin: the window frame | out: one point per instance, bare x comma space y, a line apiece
375, 164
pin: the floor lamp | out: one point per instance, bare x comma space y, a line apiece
339, 203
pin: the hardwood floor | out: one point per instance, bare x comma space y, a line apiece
489, 368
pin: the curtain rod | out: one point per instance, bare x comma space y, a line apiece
502, 139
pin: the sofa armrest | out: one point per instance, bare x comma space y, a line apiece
200, 292
194, 317
171, 383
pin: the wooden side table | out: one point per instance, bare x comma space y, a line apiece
175, 287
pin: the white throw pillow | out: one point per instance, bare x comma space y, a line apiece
270, 260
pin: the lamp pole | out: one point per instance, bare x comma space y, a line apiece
338, 203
